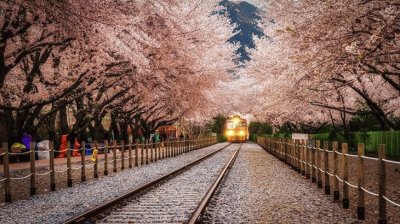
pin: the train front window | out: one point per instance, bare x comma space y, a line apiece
230, 125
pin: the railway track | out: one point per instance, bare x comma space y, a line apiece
178, 197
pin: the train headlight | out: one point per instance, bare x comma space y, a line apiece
242, 133
230, 133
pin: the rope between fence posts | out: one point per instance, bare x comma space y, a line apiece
329, 151
61, 150
351, 155
330, 174
43, 174
321, 170
371, 158
391, 161
21, 178
19, 153
61, 171
2, 154
351, 185
392, 202
337, 177
339, 153
369, 192
77, 168
3, 179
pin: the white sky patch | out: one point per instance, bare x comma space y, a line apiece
258, 3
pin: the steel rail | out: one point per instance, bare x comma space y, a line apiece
196, 216
95, 211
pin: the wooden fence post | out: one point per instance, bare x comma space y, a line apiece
319, 163
326, 168
156, 147
136, 154
295, 157
361, 175
7, 180
33, 169
303, 157
173, 148
95, 167
106, 158
345, 172
122, 148
308, 168
286, 149
83, 162
293, 149
142, 154
336, 195
313, 164
147, 151
382, 185
298, 152
174, 145
69, 168
52, 172
168, 148
160, 150
130, 155
115, 156
151, 150
178, 146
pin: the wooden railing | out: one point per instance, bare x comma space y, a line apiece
136, 154
309, 159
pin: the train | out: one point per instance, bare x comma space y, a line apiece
236, 129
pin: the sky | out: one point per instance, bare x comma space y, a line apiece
258, 3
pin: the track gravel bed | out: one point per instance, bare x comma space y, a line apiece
54, 207
175, 200
260, 189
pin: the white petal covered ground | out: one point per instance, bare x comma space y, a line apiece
57, 206
261, 189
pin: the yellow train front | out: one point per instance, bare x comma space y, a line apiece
236, 129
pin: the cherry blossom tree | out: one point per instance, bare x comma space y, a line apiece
147, 63
329, 61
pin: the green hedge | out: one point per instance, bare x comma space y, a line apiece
371, 140
221, 138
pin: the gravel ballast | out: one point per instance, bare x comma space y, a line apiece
54, 207
175, 200
261, 189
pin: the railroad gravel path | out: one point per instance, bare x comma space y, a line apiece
261, 189
175, 200
54, 207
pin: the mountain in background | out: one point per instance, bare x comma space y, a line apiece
246, 17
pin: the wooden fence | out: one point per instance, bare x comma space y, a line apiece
138, 154
311, 160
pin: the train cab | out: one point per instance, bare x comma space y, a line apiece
236, 129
